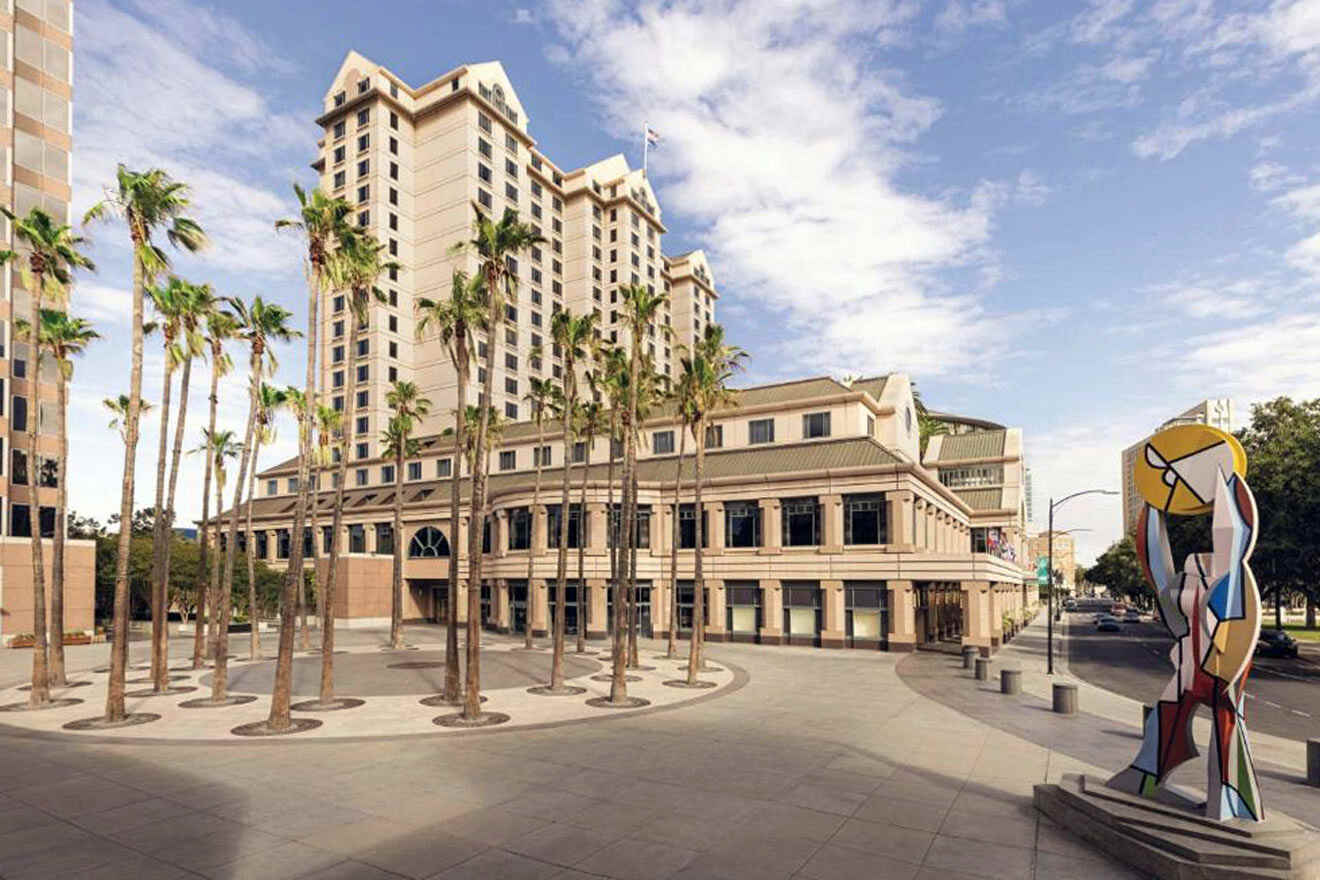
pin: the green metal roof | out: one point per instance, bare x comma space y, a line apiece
975, 444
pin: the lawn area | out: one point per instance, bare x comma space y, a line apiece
1301, 633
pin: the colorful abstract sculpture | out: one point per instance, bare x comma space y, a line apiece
1212, 610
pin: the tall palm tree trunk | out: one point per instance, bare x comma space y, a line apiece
220, 679
160, 680
206, 588
581, 553
611, 533
212, 604
254, 612
673, 547
307, 489
452, 684
561, 565
305, 637
619, 684
57, 676
531, 551
167, 544
337, 520
396, 583
40, 694
114, 697
634, 613
698, 583
472, 689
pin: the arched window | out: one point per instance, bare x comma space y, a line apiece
428, 543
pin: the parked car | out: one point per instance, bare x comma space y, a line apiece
1108, 624
1132, 616
1276, 643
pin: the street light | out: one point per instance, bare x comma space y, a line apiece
1049, 573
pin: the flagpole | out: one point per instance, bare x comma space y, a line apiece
646, 142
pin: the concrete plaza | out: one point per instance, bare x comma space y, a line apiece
822, 765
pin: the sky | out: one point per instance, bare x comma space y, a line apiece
1077, 218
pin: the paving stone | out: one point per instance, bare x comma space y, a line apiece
837, 862
638, 860
498, 864
979, 858
419, 853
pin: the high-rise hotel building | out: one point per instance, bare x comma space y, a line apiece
413, 161
36, 145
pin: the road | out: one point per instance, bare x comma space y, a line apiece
1283, 696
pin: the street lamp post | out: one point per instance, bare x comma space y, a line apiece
1049, 573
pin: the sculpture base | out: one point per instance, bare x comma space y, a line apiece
1168, 837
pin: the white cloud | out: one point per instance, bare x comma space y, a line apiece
523, 16
1128, 70
102, 303
1031, 189
1278, 355
802, 212
1232, 302
1171, 138
1270, 176
962, 15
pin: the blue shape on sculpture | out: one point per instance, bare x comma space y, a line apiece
1233, 805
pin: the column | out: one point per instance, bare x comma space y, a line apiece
656, 524
931, 535
715, 528
458, 538
976, 597
715, 629
596, 530
831, 512
461, 614
902, 617
500, 604
597, 628
900, 526
369, 532
996, 616
540, 521
538, 607
772, 532
272, 544
831, 598
499, 534
919, 522
772, 612
660, 606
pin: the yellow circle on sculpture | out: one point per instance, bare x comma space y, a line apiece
1177, 468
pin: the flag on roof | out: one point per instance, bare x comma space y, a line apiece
652, 137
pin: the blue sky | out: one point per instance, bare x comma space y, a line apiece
1077, 218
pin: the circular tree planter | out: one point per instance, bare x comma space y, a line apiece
567, 690
485, 719
147, 679
387, 649
49, 704
705, 667
99, 722
607, 677
683, 683
60, 687
335, 705
440, 700
263, 728
208, 703
640, 668
169, 691
417, 664
626, 703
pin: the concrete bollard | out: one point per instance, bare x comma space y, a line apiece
1313, 762
982, 668
1010, 681
1065, 699
968, 654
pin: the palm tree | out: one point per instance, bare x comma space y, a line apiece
682, 396
356, 265
150, 202
259, 325
575, 335
296, 401
329, 426
641, 306
494, 244
220, 327
612, 383
651, 390
539, 394
409, 407
217, 446
63, 337
324, 223
590, 421
52, 256
177, 303
118, 407
454, 320
711, 366
270, 400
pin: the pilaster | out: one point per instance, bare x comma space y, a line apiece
832, 627
831, 512
772, 612
772, 533
902, 617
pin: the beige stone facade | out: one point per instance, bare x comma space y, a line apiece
822, 528
36, 124
1065, 556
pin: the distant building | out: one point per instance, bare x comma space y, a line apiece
1215, 412
1065, 556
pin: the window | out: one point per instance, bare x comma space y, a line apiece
520, 528
387, 474
338, 303
714, 436
363, 142
742, 524
385, 538
972, 475
761, 431
541, 456
864, 520
293, 484
18, 470
361, 477
443, 467
662, 442
339, 129
428, 543
362, 426
814, 425
687, 528
394, 146
553, 525
363, 117
870, 426
801, 522
357, 538
337, 354
20, 521
361, 451
19, 420
282, 544
394, 120
579, 452
508, 460
511, 411
272, 487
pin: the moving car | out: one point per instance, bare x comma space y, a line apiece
1276, 643
1108, 624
